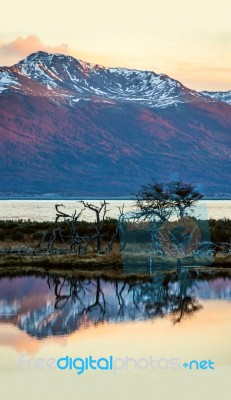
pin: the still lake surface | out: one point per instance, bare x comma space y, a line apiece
44, 210
49, 317
186, 316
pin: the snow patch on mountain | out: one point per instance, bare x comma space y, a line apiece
7, 80
225, 97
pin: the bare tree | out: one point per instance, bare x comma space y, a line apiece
154, 201
122, 228
183, 196
76, 242
100, 216
157, 203
159, 200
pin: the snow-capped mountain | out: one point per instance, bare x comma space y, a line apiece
219, 96
63, 78
70, 128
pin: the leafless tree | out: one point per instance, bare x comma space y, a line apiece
100, 212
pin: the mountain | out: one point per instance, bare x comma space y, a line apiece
70, 128
219, 96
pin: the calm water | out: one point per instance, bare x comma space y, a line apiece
58, 306
181, 315
44, 210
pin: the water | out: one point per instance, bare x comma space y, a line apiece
44, 210
51, 306
184, 315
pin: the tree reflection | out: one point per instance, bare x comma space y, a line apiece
79, 302
184, 304
69, 303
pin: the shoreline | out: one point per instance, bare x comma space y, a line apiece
92, 198
101, 266
111, 274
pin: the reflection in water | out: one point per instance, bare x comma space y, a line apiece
57, 305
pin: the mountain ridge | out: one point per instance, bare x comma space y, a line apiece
219, 95
77, 80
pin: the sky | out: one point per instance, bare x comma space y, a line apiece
187, 40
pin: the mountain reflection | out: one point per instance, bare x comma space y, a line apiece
55, 306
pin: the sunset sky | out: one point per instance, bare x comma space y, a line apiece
188, 40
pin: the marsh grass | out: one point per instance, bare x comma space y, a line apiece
29, 233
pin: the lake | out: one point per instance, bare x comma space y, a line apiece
44, 210
179, 316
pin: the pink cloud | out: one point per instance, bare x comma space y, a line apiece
13, 51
